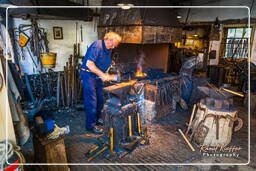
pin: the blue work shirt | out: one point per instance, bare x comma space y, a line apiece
99, 54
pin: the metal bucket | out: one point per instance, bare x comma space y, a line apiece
48, 59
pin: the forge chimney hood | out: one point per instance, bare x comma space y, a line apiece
140, 25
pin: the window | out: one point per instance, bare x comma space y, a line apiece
236, 44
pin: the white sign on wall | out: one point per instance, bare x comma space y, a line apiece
214, 45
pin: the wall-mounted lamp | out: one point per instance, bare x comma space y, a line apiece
125, 6
179, 16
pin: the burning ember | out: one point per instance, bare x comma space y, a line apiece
140, 74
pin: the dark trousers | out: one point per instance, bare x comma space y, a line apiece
93, 98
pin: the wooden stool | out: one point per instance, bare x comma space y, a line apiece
50, 151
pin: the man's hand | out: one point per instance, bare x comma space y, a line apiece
113, 77
108, 77
104, 77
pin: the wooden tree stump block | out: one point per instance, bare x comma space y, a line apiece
50, 151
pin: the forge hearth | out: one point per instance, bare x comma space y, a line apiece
136, 102
157, 95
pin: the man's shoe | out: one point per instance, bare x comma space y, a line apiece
99, 122
95, 130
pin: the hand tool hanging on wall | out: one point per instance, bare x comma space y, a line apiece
81, 29
76, 30
29, 89
23, 39
36, 41
45, 41
31, 56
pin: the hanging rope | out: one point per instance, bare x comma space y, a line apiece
6, 152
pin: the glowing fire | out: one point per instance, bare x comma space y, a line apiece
140, 61
140, 74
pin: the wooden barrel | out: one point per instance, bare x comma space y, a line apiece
213, 122
48, 59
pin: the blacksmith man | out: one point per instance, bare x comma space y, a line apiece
96, 62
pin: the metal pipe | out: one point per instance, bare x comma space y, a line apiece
111, 139
138, 122
94, 148
130, 125
233, 92
96, 154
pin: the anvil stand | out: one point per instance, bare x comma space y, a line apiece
135, 137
